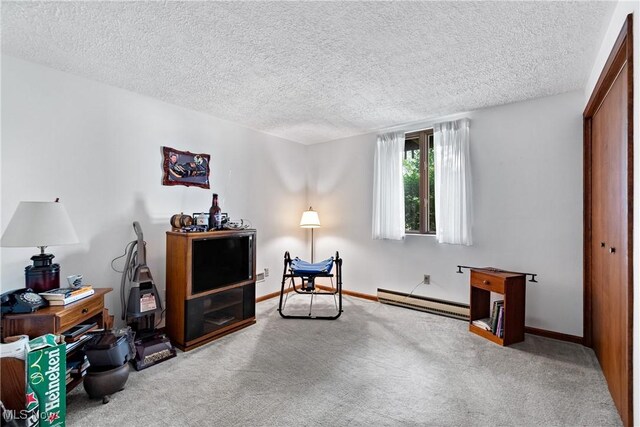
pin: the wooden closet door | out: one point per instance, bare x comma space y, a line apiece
618, 345
599, 232
609, 273
608, 223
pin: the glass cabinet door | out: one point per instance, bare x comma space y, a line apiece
215, 311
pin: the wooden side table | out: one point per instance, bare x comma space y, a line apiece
58, 319
513, 287
12, 387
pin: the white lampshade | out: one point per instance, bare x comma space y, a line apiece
310, 219
39, 224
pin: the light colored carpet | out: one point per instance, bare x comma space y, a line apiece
376, 365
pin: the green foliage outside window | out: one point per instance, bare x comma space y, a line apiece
431, 169
411, 166
411, 174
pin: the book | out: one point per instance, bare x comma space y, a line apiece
218, 321
63, 293
73, 345
497, 305
494, 315
483, 323
500, 323
72, 365
79, 369
75, 332
71, 298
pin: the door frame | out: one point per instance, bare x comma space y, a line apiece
621, 54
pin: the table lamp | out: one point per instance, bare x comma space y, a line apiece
40, 224
310, 219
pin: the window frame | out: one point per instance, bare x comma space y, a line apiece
425, 141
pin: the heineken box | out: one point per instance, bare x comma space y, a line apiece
46, 385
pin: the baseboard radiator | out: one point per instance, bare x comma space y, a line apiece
430, 305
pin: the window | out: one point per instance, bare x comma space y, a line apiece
419, 183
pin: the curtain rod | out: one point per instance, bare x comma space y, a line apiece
417, 130
424, 124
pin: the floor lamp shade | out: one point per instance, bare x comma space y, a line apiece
40, 224
310, 219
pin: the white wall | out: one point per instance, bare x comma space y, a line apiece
623, 8
527, 175
98, 149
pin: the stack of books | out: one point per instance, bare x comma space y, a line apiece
64, 296
495, 323
75, 344
497, 318
77, 369
78, 331
78, 335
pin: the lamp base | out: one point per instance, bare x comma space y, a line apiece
43, 275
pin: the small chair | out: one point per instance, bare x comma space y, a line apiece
307, 272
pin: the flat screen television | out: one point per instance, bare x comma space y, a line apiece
220, 262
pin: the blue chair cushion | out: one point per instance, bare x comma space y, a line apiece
299, 266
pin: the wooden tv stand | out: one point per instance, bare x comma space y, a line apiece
195, 317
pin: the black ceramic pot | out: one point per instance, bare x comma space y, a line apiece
103, 383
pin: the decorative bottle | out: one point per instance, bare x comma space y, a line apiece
215, 214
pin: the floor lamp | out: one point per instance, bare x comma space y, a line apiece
310, 219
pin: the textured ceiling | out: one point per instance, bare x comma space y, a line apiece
316, 71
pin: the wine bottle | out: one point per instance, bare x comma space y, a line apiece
215, 214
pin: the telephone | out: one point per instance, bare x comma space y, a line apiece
21, 301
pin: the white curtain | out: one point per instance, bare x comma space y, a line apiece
453, 182
388, 188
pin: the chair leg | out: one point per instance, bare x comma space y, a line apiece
292, 283
281, 304
335, 301
311, 304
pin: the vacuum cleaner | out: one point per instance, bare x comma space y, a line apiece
142, 306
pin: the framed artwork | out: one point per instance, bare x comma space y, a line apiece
185, 168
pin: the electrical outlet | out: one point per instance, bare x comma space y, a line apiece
266, 272
427, 279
